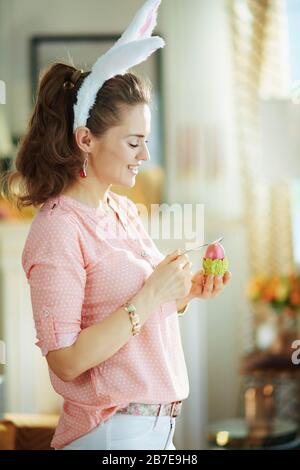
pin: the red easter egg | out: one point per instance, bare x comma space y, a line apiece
215, 251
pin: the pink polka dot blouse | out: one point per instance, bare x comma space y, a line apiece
82, 264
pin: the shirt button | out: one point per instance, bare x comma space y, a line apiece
46, 312
144, 253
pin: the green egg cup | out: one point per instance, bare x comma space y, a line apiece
217, 267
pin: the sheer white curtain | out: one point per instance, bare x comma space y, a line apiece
262, 71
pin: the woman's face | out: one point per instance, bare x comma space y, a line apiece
117, 156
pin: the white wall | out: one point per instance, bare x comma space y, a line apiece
27, 384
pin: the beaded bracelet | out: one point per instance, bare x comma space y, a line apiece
134, 318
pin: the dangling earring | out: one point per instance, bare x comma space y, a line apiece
83, 170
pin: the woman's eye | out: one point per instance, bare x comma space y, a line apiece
135, 146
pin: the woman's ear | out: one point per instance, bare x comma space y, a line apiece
84, 139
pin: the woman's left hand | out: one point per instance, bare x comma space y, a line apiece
205, 287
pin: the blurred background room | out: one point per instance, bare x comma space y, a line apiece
225, 134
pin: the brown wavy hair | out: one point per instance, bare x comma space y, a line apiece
48, 159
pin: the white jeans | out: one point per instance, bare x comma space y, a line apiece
125, 432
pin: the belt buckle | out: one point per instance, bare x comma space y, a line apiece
172, 408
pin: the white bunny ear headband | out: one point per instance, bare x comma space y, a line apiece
134, 46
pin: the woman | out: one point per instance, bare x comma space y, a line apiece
105, 300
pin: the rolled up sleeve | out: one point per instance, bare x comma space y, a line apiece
53, 263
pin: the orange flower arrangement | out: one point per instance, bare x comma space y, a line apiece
281, 292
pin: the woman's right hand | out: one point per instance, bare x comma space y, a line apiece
172, 278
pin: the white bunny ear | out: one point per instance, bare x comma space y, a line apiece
134, 46
142, 25
115, 61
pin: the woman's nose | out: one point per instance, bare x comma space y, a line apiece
144, 154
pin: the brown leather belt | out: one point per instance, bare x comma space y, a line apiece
172, 409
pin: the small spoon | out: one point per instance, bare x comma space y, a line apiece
201, 246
